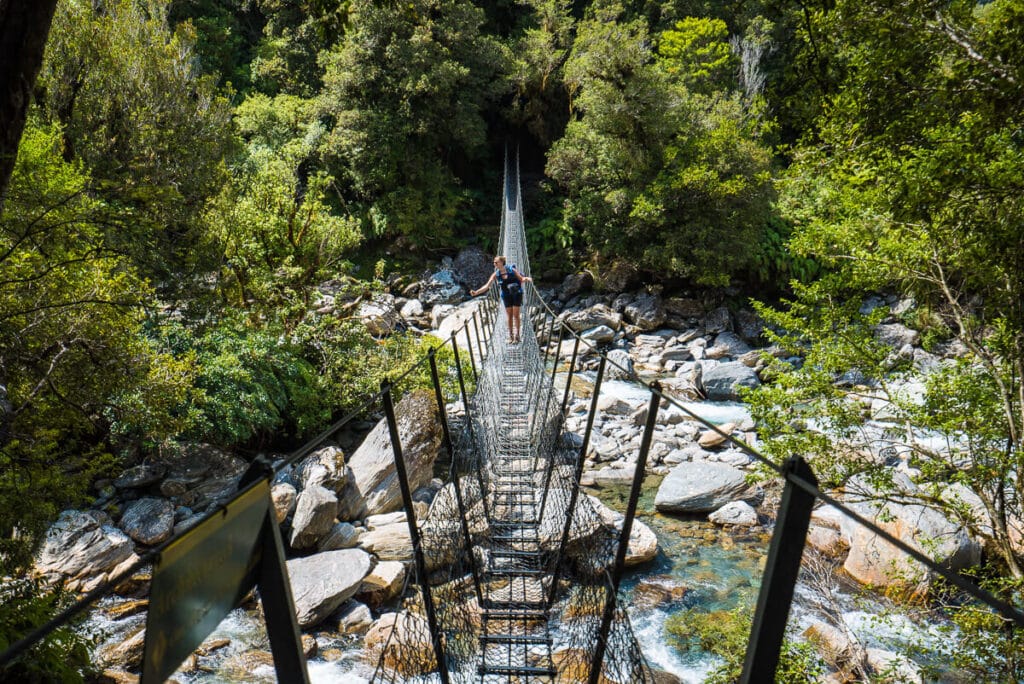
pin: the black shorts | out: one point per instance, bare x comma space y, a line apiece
512, 299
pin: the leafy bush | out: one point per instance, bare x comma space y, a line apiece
62, 657
249, 383
725, 634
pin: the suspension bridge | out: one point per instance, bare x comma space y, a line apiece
531, 594
515, 576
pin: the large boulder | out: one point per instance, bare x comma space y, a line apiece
325, 467
473, 267
388, 542
443, 288
77, 546
314, 516
576, 283
876, 562
383, 583
455, 319
702, 488
401, 643
619, 366
372, 486
322, 582
643, 543
722, 381
621, 276
592, 317
148, 520
718, 320
140, 476
646, 312
684, 307
738, 513
380, 315
896, 335
282, 496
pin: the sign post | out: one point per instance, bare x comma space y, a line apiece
206, 573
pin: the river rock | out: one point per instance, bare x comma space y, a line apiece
140, 476
443, 288
314, 515
602, 334
599, 314
612, 405
283, 496
701, 488
610, 476
722, 381
412, 310
643, 543
248, 666
383, 583
388, 542
893, 668
738, 513
472, 266
125, 654
718, 321
684, 307
322, 582
646, 312
380, 315
749, 325
325, 468
373, 484
148, 521
896, 335
76, 546
354, 618
341, 536
874, 561
401, 643
712, 438
576, 283
619, 366
727, 344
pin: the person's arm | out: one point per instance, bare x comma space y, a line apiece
522, 278
490, 280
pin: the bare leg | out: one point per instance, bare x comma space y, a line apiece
508, 314
518, 322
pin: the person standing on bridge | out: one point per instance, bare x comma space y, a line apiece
511, 282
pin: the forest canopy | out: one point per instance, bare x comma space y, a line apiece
191, 171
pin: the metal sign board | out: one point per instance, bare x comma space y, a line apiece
200, 578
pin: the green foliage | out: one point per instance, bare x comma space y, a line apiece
352, 363
405, 92
987, 646
725, 633
671, 179
225, 34
70, 313
774, 263
64, 656
696, 51
295, 35
250, 384
278, 235
151, 129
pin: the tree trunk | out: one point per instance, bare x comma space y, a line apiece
24, 27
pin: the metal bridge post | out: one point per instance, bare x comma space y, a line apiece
479, 345
568, 377
547, 338
414, 532
469, 421
544, 416
780, 575
627, 529
469, 346
571, 508
452, 471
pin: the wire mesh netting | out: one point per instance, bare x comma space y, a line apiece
516, 556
